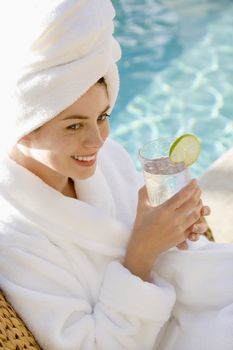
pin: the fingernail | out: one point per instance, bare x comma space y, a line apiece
195, 228
185, 246
206, 211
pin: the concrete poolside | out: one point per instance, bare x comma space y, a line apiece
217, 187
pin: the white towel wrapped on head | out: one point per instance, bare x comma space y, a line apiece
55, 51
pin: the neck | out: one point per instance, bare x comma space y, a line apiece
69, 189
60, 183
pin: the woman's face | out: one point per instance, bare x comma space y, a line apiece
69, 143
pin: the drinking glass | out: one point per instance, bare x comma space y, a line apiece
163, 178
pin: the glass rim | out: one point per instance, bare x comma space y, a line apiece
159, 139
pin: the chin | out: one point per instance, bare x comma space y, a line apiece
85, 173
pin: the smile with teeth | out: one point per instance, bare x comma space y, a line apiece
84, 158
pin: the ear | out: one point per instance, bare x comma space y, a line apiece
24, 140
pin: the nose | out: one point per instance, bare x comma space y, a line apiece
93, 138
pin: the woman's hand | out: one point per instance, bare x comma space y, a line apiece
157, 229
199, 228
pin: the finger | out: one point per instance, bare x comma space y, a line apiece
193, 217
182, 246
191, 203
143, 196
194, 237
202, 219
199, 228
205, 211
182, 196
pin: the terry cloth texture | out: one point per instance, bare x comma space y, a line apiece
60, 259
60, 268
57, 49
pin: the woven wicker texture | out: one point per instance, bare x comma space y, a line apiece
14, 335
209, 235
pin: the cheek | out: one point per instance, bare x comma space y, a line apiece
54, 148
104, 130
58, 143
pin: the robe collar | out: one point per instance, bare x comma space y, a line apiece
89, 221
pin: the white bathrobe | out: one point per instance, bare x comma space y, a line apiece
60, 267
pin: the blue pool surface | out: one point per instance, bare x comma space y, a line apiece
176, 74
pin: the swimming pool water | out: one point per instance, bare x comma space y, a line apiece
176, 74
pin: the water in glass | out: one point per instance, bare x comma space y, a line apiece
164, 178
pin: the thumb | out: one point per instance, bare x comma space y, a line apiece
143, 197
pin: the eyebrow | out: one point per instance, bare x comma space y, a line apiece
75, 116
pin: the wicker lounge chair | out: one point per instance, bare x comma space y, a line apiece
14, 335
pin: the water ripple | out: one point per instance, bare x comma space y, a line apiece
176, 74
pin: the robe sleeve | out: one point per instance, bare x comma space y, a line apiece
59, 309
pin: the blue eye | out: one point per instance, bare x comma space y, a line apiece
74, 126
103, 117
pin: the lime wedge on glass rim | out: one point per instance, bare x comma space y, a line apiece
185, 149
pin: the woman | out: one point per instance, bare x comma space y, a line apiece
84, 261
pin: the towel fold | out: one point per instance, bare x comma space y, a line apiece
56, 50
